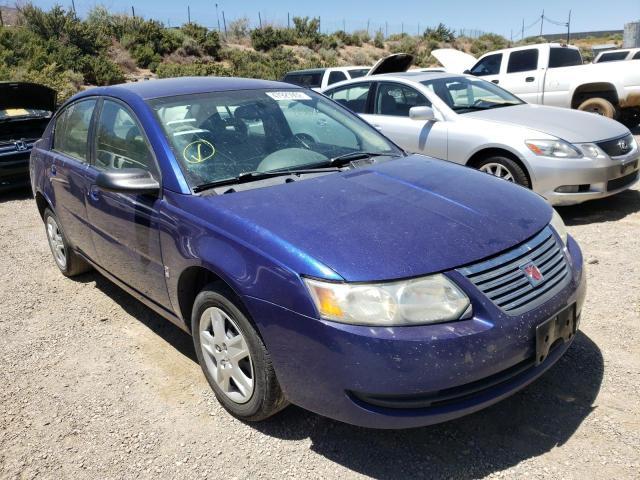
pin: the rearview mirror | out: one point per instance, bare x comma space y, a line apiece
128, 180
422, 113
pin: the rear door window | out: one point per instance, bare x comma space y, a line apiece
613, 56
336, 76
489, 65
523, 61
636, 56
71, 133
564, 57
309, 80
354, 97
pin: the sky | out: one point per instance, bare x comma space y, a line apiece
503, 17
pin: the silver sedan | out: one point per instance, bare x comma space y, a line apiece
567, 156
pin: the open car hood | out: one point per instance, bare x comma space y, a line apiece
27, 95
454, 61
398, 62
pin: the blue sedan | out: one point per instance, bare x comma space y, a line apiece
313, 261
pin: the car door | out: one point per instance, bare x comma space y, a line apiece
125, 227
488, 68
389, 113
522, 75
70, 152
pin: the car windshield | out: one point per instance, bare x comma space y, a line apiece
468, 94
221, 135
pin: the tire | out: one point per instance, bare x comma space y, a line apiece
67, 260
228, 376
505, 168
599, 106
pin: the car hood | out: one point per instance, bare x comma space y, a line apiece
402, 218
454, 61
27, 95
571, 125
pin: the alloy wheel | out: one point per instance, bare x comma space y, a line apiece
226, 355
54, 235
498, 170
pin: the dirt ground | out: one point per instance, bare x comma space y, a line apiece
95, 385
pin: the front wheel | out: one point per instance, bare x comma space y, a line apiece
505, 168
233, 357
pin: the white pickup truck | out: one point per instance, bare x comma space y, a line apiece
554, 74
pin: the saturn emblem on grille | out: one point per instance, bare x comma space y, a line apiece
623, 145
533, 273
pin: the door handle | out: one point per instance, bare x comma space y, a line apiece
529, 79
53, 170
94, 193
495, 81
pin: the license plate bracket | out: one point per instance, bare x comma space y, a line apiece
561, 326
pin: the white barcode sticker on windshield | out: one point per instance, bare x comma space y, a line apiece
288, 95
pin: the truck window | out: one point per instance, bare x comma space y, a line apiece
564, 57
613, 56
336, 76
489, 65
523, 60
636, 56
309, 80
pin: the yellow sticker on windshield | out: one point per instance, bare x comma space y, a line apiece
198, 151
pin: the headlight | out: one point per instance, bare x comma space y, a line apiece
553, 148
412, 302
592, 150
558, 225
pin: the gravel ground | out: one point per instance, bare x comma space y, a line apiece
95, 385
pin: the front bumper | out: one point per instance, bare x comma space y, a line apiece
14, 169
597, 178
332, 369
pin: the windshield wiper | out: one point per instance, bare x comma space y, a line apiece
348, 157
256, 175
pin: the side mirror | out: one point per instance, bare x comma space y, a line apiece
467, 72
422, 113
135, 181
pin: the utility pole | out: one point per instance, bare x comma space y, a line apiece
288, 21
344, 25
188, 15
402, 29
133, 12
224, 23
260, 19
367, 26
73, 6
418, 28
522, 37
386, 29
541, 22
569, 28
218, 18
1, 19
511, 37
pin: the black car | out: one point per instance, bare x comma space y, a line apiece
25, 111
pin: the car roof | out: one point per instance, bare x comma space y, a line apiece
410, 75
170, 87
308, 70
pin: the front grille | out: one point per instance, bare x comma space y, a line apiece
618, 146
622, 181
503, 280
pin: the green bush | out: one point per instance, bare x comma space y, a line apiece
207, 41
101, 70
440, 34
199, 68
378, 40
267, 38
487, 43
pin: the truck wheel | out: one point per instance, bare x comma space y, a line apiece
505, 168
233, 357
600, 106
68, 261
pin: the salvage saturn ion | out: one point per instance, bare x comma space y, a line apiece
313, 261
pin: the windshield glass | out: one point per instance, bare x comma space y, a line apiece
468, 94
220, 135
358, 72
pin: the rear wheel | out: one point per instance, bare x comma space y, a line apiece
505, 168
599, 106
233, 357
68, 261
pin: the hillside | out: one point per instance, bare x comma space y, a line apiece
57, 48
